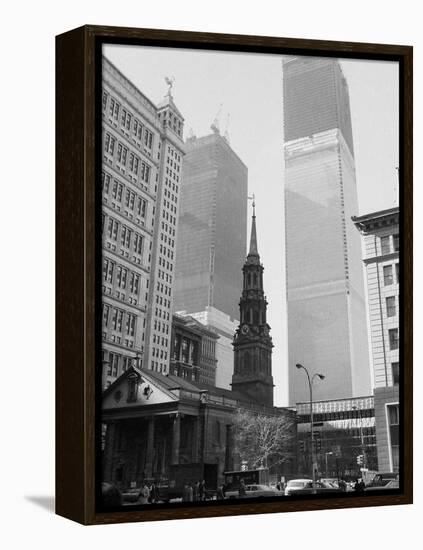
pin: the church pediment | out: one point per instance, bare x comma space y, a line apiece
136, 388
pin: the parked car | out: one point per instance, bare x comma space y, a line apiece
254, 491
130, 496
317, 488
296, 484
261, 491
333, 481
387, 480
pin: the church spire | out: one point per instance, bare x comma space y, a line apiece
253, 239
252, 343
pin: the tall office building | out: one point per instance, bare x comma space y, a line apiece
212, 227
327, 326
141, 178
380, 232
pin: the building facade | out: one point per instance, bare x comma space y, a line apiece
252, 341
141, 178
344, 430
380, 231
193, 350
225, 327
168, 427
327, 329
161, 427
212, 227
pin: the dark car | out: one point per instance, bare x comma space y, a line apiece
387, 480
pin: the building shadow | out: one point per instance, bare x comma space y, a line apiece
46, 502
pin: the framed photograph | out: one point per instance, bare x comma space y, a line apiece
234, 275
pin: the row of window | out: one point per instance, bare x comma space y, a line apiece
114, 362
172, 174
391, 306
135, 165
395, 373
388, 274
164, 288
161, 326
158, 367
174, 185
169, 229
167, 239
120, 276
170, 195
173, 153
393, 338
162, 301
173, 164
115, 319
122, 194
163, 275
170, 119
127, 237
162, 314
127, 120
164, 263
166, 251
169, 205
389, 243
159, 353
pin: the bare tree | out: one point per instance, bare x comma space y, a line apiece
262, 440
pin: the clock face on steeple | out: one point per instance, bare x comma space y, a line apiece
245, 329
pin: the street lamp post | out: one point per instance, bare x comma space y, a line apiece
310, 385
326, 461
363, 449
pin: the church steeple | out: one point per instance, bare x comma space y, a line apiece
252, 342
253, 253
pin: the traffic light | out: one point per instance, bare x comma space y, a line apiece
302, 446
360, 460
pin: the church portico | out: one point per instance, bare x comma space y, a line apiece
145, 447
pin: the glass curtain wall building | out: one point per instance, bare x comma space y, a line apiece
212, 230
344, 437
327, 325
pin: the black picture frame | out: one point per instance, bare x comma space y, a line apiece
78, 115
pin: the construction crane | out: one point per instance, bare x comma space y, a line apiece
226, 134
216, 122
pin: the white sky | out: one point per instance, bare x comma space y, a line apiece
250, 88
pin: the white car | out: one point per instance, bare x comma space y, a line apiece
254, 491
296, 484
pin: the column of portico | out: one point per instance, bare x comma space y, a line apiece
149, 455
109, 451
176, 439
196, 439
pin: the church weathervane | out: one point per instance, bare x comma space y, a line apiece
253, 198
169, 81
